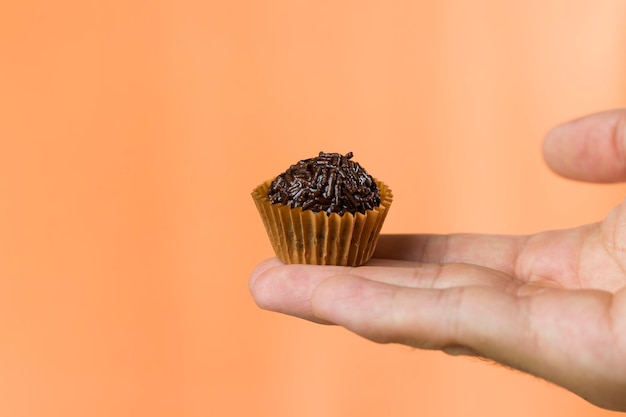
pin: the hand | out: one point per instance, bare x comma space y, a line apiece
551, 304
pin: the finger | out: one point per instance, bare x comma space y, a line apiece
261, 268
288, 288
562, 336
420, 317
592, 148
498, 252
432, 275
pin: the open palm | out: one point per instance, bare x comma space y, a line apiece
551, 304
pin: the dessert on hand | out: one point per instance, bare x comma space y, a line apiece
325, 210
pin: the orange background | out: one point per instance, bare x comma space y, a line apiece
132, 133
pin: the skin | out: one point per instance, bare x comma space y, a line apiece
552, 304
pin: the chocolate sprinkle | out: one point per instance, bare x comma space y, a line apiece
330, 182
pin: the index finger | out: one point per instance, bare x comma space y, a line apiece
498, 252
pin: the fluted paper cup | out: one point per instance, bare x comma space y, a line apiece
305, 237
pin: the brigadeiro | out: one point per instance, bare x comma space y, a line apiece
325, 210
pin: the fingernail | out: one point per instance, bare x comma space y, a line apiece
459, 351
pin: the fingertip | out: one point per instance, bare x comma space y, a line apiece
335, 292
262, 268
590, 148
268, 284
356, 303
562, 148
287, 289
328, 293
551, 143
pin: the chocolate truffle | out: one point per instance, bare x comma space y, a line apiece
325, 210
330, 182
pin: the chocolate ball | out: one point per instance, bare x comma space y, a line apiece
330, 183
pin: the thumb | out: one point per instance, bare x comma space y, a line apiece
592, 148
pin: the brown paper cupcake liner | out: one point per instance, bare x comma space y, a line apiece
305, 237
